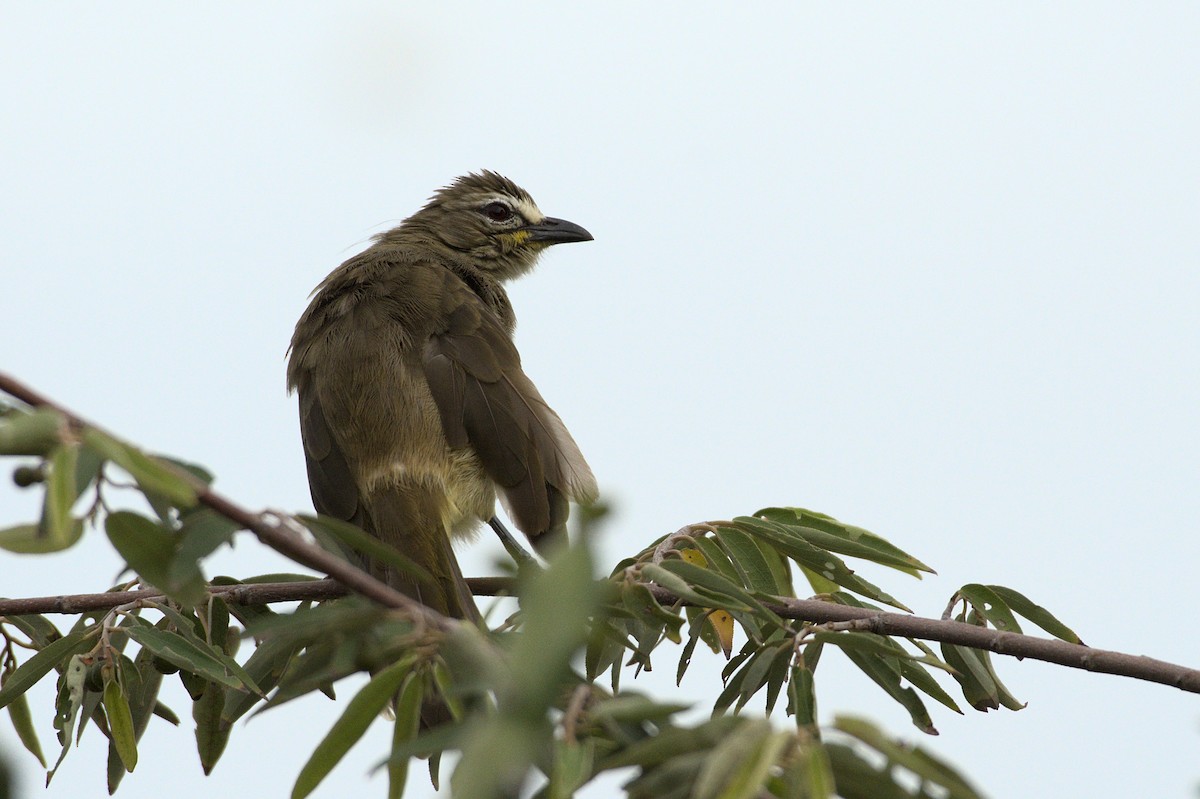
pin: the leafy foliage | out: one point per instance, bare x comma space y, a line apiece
535, 704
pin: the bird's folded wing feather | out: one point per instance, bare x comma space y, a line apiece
333, 487
488, 404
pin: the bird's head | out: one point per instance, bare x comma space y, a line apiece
490, 219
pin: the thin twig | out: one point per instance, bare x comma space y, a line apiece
240, 594
813, 610
1020, 646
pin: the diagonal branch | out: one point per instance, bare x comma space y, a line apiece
272, 531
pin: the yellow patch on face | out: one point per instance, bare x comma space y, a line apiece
521, 238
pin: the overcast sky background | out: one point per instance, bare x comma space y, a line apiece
929, 268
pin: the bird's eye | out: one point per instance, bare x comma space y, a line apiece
497, 212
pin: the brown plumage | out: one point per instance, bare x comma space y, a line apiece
414, 409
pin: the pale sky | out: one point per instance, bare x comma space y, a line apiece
931, 269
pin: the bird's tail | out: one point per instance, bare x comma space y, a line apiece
410, 521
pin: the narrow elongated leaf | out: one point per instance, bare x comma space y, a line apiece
817, 773
22, 721
990, 606
750, 561
572, 767
152, 476
407, 725
738, 766
33, 432
31, 539
186, 628
58, 522
211, 735
828, 533
923, 681
358, 540
358, 715
142, 683
885, 672
915, 759
174, 648
728, 594
1037, 614
820, 561
978, 687
53, 654
716, 557
120, 723
673, 583
802, 697
37, 628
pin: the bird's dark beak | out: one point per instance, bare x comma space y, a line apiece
556, 231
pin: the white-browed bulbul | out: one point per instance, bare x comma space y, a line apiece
414, 410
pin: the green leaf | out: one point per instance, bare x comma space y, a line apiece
31, 539
1035, 613
989, 605
820, 561
33, 432
827, 532
202, 532
817, 773
361, 541
150, 550
718, 559
676, 585
802, 697
60, 526
120, 723
978, 687
751, 562
153, 477
632, 707
671, 742
717, 590
265, 666
71, 693
182, 652
739, 764
52, 655
408, 724
885, 672
186, 627
142, 683
37, 628
572, 767
22, 721
923, 681
360, 712
915, 759
211, 734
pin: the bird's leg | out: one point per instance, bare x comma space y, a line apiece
514, 549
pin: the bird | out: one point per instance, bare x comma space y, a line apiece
415, 412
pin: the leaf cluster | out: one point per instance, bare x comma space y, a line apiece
535, 703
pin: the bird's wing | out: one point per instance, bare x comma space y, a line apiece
332, 484
489, 405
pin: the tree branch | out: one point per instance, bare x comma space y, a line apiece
816, 611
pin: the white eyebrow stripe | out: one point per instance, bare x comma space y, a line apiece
530, 211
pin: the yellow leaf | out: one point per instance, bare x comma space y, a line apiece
722, 624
